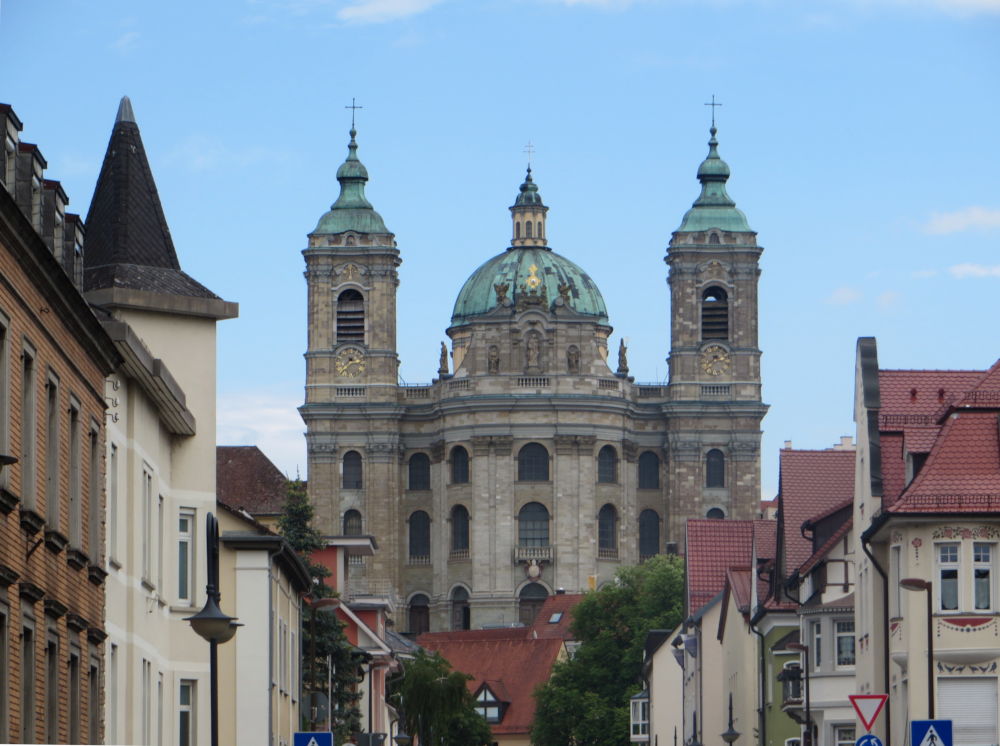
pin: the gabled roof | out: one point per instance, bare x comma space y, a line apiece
713, 546
811, 482
246, 478
562, 604
962, 472
128, 243
512, 667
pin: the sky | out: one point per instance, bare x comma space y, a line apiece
861, 135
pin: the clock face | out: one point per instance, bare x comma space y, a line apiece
349, 362
715, 360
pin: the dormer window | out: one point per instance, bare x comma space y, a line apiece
489, 706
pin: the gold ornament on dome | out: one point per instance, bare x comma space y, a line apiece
533, 280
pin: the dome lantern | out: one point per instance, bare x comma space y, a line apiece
528, 216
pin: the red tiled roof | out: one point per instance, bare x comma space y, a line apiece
738, 579
512, 668
812, 482
245, 478
560, 603
713, 546
920, 392
765, 537
962, 472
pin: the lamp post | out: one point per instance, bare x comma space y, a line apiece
211, 623
809, 726
315, 606
731, 734
918, 584
694, 731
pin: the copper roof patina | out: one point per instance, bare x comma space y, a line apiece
352, 211
714, 208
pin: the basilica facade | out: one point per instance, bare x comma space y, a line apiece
533, 463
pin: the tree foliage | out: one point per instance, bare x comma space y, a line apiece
585, 702
325, 648
436, 705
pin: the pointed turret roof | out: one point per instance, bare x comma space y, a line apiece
528, 194
352, 211
714, 208
128, 243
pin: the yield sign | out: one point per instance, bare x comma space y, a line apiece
868, 707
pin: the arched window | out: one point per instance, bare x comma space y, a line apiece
533, 463
715, 513
715, 468
461, 616
527, 229
460, 531
539, 231
350, 317
649, 534
351, 476
352, 523
530, 602
420, 538
459, 465
607, 532
714, 314
533, 526
517, 229
420, 614
607, 465
420, 472
649, 471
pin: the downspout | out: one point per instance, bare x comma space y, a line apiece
762, 665
865, 539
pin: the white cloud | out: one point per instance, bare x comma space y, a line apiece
924, 274
888, 300
266, 420
968, 218
966, 7
964, 271
843, 296
126, 42
381, 11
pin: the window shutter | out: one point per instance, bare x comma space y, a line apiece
971, 705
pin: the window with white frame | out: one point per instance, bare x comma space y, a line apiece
185, 715
947, 556
844, 637
488, 705
185, 554
113, 503
791, 681
159, 543
94, 493
843, 735
982, 575
817, 644
75, 475
147, 523
640, 719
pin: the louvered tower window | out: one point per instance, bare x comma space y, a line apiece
714, 314
351, 317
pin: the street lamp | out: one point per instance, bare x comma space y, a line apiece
315, 606
731, 734
809, 728
694, 731
918, 584
211, 623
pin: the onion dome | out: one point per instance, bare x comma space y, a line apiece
352, 211
714, 208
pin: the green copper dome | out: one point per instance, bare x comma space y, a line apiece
528, 195
352, 211
714, 208
524, 268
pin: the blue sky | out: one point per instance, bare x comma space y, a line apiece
861, 136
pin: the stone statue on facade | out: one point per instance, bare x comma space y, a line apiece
443, 367
573, 359
493, 359
622, 358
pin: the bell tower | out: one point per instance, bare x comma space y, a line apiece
352, 436
715, 387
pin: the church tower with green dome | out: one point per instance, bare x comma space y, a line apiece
351, 362
715, 388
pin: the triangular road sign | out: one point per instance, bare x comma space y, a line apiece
314, 742
868, 707
931, 738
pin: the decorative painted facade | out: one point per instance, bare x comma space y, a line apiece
533, 461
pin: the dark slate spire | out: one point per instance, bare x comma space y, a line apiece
128, 243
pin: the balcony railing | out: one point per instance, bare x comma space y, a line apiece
538, 554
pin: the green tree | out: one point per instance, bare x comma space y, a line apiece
325, 649
585, 702
436, 705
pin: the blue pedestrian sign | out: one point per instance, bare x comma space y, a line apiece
313, 739
930, 733
868, 740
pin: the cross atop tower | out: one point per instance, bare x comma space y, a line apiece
530, 150
353, 109
713, 105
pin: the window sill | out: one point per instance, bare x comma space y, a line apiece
76, 559
31, 521
96, 574
8, 500
181, 609
55, 541
114, 564
148, 586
